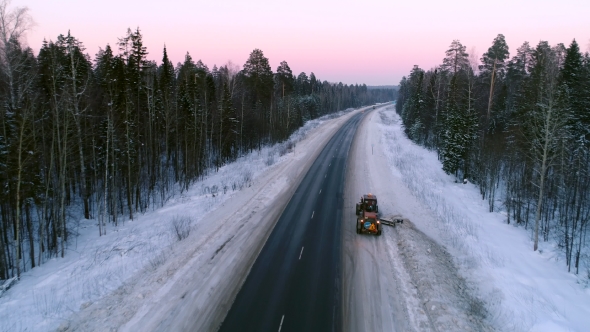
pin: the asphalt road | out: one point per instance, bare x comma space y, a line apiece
376, 290
295, 283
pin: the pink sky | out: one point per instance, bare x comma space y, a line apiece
372, 41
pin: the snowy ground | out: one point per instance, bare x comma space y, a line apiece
138, 267
450, 266
402, 280
520, 290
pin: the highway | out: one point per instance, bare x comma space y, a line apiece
295, 283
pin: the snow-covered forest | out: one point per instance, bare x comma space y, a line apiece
517, 127
110, 137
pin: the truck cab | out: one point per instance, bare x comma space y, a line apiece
368, 203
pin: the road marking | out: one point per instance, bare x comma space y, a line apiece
301, 253
312, 214
325, 176
320, 191
281, 323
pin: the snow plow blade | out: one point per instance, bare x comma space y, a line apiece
391, 221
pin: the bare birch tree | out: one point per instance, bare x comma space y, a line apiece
13, 26
78, 75
13, 62
546, 123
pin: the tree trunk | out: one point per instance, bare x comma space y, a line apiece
544, 166
76, 115
31, 234
242, 126
3, 260
101, 222
62, 206
19, 169
129, 181
491, 90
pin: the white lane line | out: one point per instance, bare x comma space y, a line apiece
312, 214
301, 253
281, 323
325, 176
320, 191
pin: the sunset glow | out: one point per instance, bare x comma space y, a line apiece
373, 42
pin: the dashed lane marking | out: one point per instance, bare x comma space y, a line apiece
280, 326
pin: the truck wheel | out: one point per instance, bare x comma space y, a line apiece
376, 209
357, 209
379, 233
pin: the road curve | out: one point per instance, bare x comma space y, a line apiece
295, 283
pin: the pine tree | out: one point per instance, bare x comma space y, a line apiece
54, 98
413, 113
313, 83
545, 122
303, 87
77, 75
134, 54
575, 83
191, 115
493, 65
285, 85
516, 73
258, 79
431, 101
167, 110
228, 127
105, 73
284, 79
460, 130
456, 58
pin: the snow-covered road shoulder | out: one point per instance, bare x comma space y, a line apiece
402, 280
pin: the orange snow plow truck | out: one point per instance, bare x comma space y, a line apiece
367, 211
368, 219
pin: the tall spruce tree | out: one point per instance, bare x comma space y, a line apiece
574, 80
258, 78
459, 133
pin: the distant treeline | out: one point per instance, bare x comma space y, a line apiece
386, 87
119, 134
517, 127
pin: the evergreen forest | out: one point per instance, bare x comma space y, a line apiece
518, 127
110, 137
